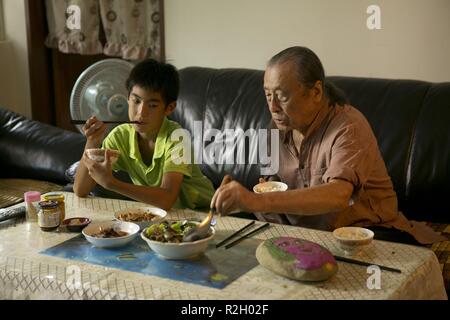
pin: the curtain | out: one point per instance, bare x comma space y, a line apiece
131, 27
73, 30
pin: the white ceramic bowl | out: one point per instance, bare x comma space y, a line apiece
352, 239
131, 228
160, 214
270, 186
98, 155
178, 251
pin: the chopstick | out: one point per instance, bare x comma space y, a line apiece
234, 234
84, 121
363, 263
247, 235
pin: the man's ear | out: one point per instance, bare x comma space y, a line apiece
170, 107
318, 91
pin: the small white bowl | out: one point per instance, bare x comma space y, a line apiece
270, 186
182, 250
160, 214
131, 228
352, 239
98, 155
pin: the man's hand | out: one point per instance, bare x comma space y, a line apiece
101, 172
94, 131
233, 197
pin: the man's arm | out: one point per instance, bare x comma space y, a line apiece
330, 197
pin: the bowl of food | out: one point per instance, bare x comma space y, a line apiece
142, 216
111, 234
352, 239
270, 186
76, 224
166, 239
98, 155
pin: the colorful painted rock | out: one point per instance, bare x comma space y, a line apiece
296, 259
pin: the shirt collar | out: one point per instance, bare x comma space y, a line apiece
287, 136
134, 152
318, 120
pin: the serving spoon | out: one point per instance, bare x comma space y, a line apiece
202, 229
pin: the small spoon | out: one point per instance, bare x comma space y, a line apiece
203, 228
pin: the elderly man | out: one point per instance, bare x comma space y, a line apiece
329, 157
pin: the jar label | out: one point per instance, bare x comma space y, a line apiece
49, 219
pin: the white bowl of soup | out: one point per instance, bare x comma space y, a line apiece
270, 186
111, 234
142, 216
352, 239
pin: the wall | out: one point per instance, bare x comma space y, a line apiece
14, 82
413, 42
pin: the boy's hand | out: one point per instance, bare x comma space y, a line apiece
101, 172
94, 131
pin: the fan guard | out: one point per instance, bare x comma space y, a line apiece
100, 90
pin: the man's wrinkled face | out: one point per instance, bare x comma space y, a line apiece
292, 105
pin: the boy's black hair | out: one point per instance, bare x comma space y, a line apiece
157, 76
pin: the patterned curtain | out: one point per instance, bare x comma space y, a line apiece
131, 27
73, 26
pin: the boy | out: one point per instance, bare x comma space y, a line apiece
145, 147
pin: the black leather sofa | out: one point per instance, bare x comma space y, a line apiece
411, 120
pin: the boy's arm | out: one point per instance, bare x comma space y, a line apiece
163, 197
94, 130
83, 182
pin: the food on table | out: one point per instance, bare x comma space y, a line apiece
76, 222
109, 233
137, 216
169, 231
352, 234
268, 188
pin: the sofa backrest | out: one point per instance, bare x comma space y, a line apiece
33, 150
411, 120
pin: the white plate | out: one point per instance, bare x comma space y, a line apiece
159, 213
131, 228
270, 186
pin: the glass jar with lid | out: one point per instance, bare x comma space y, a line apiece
59, 198
49, 216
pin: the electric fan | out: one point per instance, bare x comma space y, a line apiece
100, 90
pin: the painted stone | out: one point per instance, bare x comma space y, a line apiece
296, 259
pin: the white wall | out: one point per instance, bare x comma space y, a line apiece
14, 79
414, 40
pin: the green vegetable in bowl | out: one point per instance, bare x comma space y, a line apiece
169, 231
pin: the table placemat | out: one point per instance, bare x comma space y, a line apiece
216, 268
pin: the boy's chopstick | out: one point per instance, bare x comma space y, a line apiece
247, 235
84, 121
367, 264
234, 234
